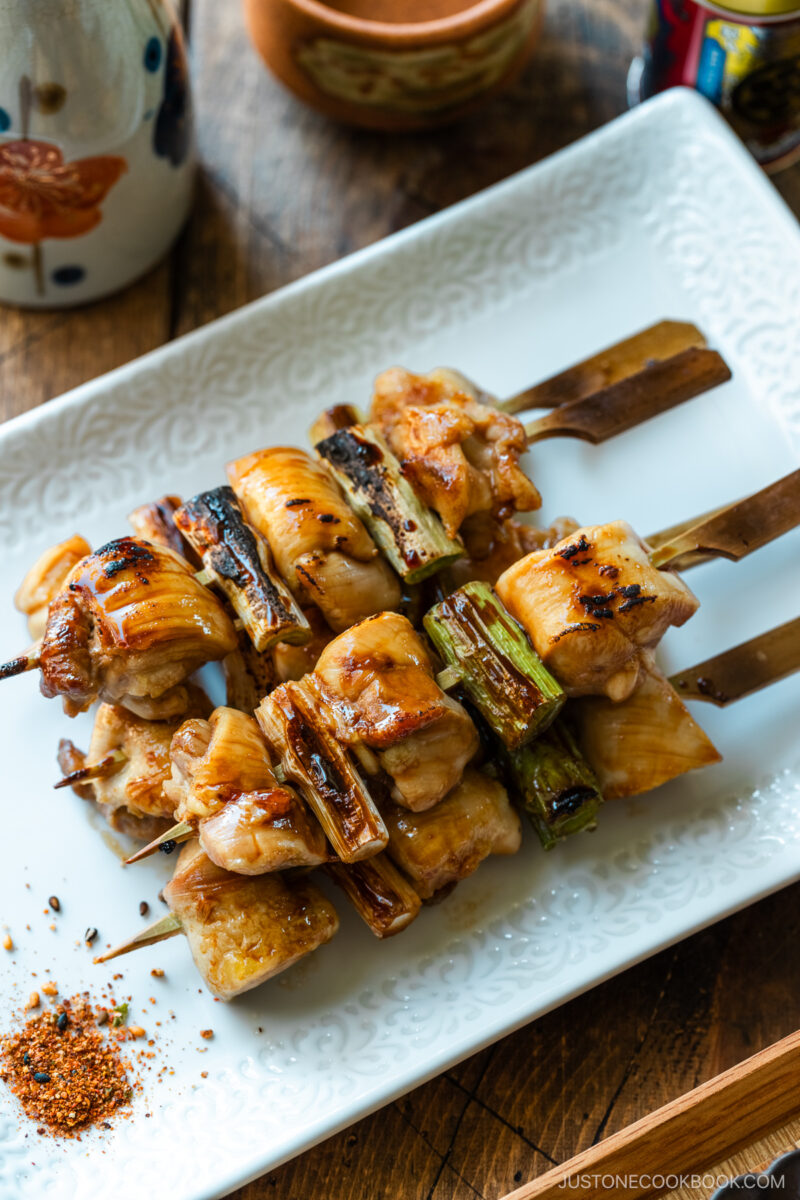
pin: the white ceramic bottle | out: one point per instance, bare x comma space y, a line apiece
96, 145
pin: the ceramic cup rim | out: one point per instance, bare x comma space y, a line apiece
407, 31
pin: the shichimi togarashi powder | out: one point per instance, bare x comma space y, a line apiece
66, 1073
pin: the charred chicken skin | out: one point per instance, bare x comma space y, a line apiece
438, 848
461, 456
595, 609
243, 931
321, 547
378, 681
129, 625
223, 783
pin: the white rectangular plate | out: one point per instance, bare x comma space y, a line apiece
659, 214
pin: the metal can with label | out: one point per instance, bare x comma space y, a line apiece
744, 55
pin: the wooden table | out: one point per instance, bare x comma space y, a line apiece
283, 192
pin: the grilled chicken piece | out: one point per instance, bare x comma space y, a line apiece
239, 561
494, 546
293, 662
436, 849
45, 578
379, 683
223, 783
594, 608
461, 456
155, 522
643, 742
322, 549
129, 625
243, 931
131, 794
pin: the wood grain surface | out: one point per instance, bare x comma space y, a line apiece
281, 192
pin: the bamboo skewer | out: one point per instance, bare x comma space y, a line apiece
165, 927
739, 529
621, 406
108, 765
663, 340
27, 661
166, 842
743, 669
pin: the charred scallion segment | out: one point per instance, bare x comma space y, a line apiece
382, 897
497, 666
555, 785
411, 536
239, 561
331, 420
321, 768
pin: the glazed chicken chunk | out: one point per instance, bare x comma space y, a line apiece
129, 625
595, 609
45, 579
460, 455
437, 848
378, 680
223, 783
126, 768
244, 930
321, 547
643, 742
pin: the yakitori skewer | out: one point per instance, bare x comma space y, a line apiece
224, 789
237, 559
372, 697
487, 653
379, 892
129, 625
433, 448
652, 737
284, 917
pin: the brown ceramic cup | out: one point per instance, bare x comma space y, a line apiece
392, 74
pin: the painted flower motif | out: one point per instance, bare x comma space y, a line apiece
172, 134
41, 196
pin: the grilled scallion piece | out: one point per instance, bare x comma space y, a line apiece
319, 765
555, 785
382, 897
411, 536
496, 665
330, 420
239, 562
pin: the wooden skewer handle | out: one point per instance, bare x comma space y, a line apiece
652, 391
740, 529
744, 669
628, 357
